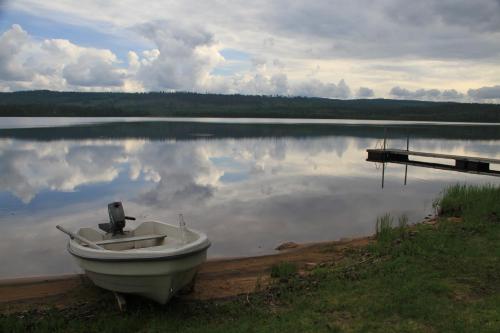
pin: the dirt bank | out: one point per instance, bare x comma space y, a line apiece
216, 279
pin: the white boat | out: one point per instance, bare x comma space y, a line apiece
154, 260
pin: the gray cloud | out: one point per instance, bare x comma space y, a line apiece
318, 88
367, 29
427, 94
280, 82
364, 92
485, 93
89, 72
409, 44
452, 95
477, 15
183, 57
258, 84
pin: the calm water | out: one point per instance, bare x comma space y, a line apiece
249, 186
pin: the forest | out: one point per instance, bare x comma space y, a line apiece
186, 104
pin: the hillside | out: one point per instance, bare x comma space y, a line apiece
180, 104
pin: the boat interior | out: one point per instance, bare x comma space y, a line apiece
152, 236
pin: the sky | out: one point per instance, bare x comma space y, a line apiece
439, 50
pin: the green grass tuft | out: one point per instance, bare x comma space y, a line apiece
284, 270
383, 228
403, 226
461, 199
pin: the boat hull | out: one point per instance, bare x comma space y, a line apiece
154, 260
157, 279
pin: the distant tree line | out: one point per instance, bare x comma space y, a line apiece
186, 130
187, 104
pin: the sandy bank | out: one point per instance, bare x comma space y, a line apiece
216, 279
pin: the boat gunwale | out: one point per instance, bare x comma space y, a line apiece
136, 259
199, 245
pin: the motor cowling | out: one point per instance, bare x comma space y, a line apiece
117, 219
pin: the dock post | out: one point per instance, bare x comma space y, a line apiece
385, 135
383, 173
407, 149
383, 163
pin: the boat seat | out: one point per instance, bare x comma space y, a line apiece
130, 239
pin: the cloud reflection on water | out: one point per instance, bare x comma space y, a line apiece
247, 194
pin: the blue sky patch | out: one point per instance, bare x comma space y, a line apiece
232, 54
50, 199
234, 177
43, 28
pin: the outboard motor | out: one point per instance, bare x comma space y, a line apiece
116, 219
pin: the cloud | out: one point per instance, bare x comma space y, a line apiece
298, 179
12, 43
452, 95
485, 93
365, 29
27, 63
59, 166
86, 67
478, 15
364, 92
427, 94
317, 88
184, 57
361, 29
89, 71
193, 175
310, 49
189, 180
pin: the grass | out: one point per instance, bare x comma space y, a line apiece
284, 270
387, 233
383, 227
469, 201
422, 278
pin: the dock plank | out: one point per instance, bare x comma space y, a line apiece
467, 164
438, 155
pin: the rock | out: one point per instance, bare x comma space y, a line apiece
431, 221
310, 265
287, 246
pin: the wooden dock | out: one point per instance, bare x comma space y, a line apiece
468, 164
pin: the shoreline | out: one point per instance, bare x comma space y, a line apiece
217, 278
439, 275
75, 120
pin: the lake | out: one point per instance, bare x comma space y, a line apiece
249, 184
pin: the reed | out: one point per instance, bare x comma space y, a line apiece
284, 270
477, 205
384, 228
403, 226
